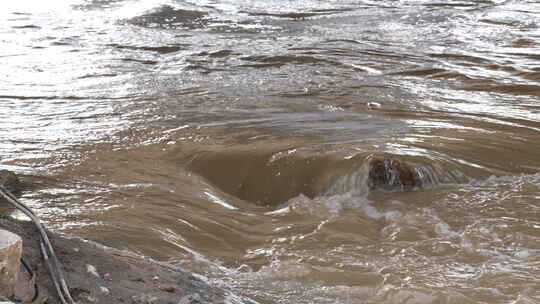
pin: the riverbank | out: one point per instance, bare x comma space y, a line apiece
98, 274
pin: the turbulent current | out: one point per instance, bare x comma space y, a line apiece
238, 139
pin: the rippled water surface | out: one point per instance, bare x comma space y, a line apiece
234, 138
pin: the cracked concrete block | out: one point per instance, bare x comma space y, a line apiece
10, 262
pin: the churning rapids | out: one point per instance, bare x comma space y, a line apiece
234, 137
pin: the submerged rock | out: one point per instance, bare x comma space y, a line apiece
169, 17
391, 174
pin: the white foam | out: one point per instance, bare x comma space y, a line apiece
523, 254
176, 129
323, 207
215, 199
443, 229
92, 270
284, 270
284, 210
354, 183
234, 299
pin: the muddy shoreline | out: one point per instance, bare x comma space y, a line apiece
98, 274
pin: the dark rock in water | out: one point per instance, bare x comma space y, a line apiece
10, 181
392, 174
170, 17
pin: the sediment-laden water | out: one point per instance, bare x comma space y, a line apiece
235, 138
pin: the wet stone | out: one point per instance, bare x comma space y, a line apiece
10, 181
391, 174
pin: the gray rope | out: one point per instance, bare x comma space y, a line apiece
46, 248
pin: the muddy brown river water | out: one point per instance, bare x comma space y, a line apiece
233, 138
